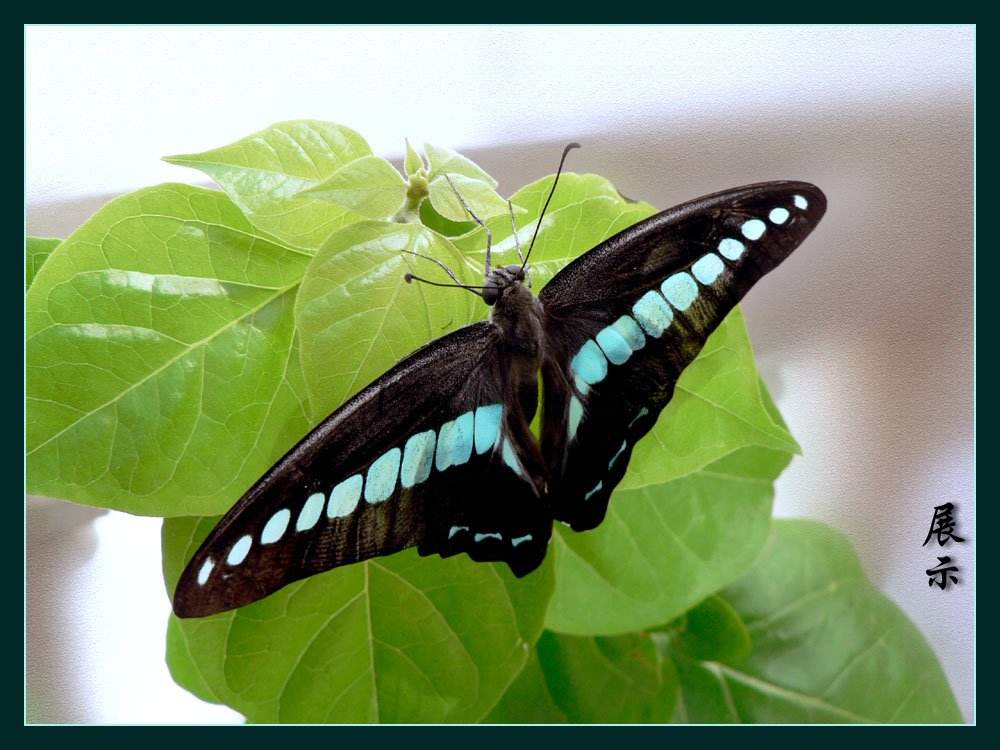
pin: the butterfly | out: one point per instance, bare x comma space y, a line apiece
438, 454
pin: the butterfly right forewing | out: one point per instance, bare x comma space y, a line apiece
625, 319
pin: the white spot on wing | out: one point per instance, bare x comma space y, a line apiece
309, 514
240, 550
275, 528
205, 571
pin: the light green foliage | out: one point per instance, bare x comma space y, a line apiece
718, 407
663, 548
477, 188
346, 345
584, 211
436, 222
369, 186
159, 330
443, 160
412, 163
36, 252
264, 174
482, 199
182, 339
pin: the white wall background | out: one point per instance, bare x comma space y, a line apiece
865, 335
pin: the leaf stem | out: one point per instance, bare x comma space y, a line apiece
409, 213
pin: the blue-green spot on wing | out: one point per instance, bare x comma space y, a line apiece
624, 320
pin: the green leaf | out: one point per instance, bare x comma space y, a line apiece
412, 163
663, 548
195, 648
717, 407
827, 646
36, 252
480, 197
621, 679
527, 700
357, 315
369, 186
397, 639
183, 668
158, 331
436, 222
712, 631
444, 160
264, 172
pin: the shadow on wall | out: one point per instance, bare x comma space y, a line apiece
59, 542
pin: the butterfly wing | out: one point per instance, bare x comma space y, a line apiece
435, 454
625, 319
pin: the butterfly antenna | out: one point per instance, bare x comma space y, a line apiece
435, 260
409, 277
555, 182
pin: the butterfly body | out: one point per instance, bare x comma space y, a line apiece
438, 452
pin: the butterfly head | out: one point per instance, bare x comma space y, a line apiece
500, 281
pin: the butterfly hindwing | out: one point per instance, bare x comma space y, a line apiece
433, 454
624, 320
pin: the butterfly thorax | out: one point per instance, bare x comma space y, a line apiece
519, 314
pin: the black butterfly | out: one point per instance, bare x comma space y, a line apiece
437, 453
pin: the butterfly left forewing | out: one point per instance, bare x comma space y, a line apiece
626, 318
432, 454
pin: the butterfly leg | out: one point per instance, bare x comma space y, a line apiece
517, 240
480, 222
